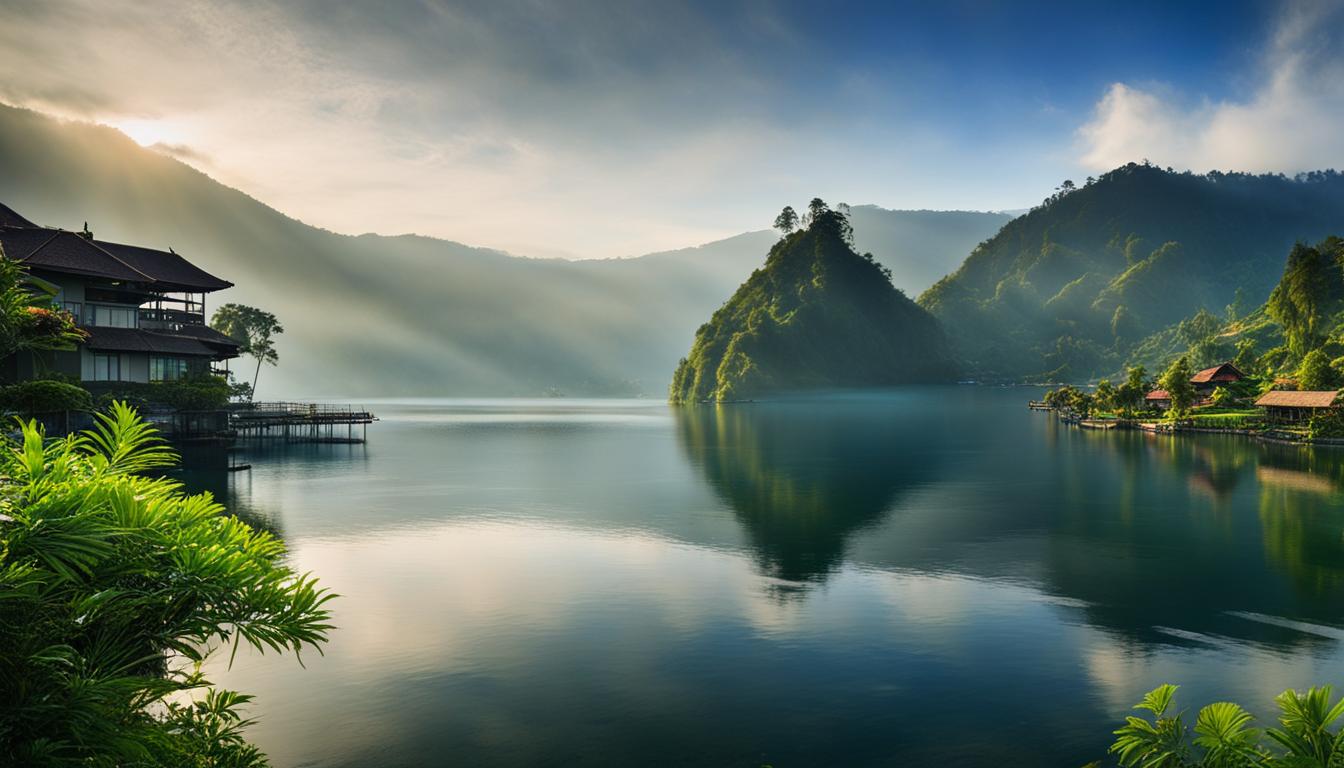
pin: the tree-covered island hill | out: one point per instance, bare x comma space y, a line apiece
816, 316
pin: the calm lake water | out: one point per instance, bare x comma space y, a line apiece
923, 577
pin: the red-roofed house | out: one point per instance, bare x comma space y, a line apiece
1204, 382
1210, 379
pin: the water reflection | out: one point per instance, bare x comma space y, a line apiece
804, 477
1178, 538
561, 583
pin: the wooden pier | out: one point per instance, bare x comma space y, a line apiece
300, 422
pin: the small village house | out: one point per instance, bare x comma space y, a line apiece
1289, 406
143, 309
1204, 382
1220, 375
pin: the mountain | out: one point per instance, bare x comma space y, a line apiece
1069, 290
816, 316
408, 315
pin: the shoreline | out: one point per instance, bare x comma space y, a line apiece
1267, 435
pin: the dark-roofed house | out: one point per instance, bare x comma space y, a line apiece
143, 309
1291, 406
1158, 398
1210, 379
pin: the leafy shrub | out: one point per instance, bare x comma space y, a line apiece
113, 586
1327, 424
44, 396
1224, 738
200, 393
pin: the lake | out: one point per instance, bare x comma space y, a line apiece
919, 577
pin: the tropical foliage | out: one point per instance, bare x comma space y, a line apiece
28, 320
817, 315
254, 330
202, 392
1176, 381
114, 587
44, 396
1223, 736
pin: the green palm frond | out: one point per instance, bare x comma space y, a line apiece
1306, 719
126, 443
1158, 699
1223, 730
115, 585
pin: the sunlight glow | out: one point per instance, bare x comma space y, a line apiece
147, 133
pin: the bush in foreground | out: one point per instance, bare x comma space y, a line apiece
114, 587
1223, 736
44, 396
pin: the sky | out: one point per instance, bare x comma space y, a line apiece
604, 129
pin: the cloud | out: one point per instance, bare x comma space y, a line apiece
580, 128
1288, 123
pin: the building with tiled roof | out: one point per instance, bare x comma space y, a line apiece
143, 309
1296, 405
1218, 375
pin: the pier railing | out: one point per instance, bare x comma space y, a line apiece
308, 422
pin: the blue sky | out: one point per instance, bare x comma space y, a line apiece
592, 129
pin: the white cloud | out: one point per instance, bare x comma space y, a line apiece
1289, 122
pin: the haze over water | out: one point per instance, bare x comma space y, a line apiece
933, 575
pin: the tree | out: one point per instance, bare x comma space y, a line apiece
114, 586
28, 319
1176, 381
1310, 290
1246, 357
815, 209
1237, 309
1105, 395
1315, 372
1130, 395
787, 220
253, 329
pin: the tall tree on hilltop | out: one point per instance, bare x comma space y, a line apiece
815, 209
787, 220
253, 329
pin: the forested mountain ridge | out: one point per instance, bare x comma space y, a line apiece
410, 315
1068, 291
816, 316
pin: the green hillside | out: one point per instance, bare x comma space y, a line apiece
816, 316
1071, 289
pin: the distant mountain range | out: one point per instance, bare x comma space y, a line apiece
375, 315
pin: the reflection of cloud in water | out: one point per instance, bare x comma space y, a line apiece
513, 638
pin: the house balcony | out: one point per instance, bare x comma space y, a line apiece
162, 319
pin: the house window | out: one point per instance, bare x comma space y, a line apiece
112, 317
107, 367
167, 368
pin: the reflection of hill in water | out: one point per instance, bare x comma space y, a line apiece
803, 476
1194, 533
